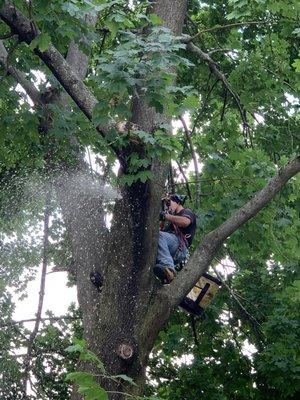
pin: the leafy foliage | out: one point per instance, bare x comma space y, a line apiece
247, 343
86, 381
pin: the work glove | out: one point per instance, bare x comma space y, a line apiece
162, 215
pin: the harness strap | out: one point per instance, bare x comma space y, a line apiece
182, 239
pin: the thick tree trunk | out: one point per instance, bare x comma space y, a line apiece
114, 319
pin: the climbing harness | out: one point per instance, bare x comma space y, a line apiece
182, 238
166, 201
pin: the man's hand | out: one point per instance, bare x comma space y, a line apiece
162, 215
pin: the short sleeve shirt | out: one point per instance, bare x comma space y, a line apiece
189, 231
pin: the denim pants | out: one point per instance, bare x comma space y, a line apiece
167, 250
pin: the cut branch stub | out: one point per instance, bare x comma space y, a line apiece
125, 351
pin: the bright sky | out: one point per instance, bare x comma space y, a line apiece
57, 298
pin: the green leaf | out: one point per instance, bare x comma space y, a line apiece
155, 19
145, 136
74, 348
87, 355
296, 65
94, 393
80, 344
125, 378
191, 102
42, 42
81, 378
144, 176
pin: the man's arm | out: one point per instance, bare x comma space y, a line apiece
182, 222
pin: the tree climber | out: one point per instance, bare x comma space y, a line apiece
174, 240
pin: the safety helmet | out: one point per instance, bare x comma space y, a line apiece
178, 198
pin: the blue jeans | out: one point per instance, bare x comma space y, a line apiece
168, 254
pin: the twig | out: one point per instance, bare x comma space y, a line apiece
123, 393
224, 105
213, 66
171, 182
32, 387
33, 334
7, 36
196, 167
222, 51
200, 112
253, 319
23, 321
185, 179
221, 179
20, 77
277, 75
203, 106
215, 28
236, 293
105, 32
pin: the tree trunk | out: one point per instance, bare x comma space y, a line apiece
113, 320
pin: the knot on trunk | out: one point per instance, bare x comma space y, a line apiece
125, 351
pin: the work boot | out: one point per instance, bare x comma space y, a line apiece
164, 274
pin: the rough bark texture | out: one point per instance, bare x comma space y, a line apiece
130, 251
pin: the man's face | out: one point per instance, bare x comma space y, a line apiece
173, 205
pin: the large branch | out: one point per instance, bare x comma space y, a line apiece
204, 254
63, 72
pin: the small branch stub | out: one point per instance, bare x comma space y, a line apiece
125, 351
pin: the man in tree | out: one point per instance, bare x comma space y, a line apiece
173, 242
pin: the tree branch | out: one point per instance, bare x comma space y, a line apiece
204, 254
85, 100
60, 68
185, 178
216, 28
171, 181
235, 297
52, 319
19, 76
214, 67
34, 332
195, 161
202, 109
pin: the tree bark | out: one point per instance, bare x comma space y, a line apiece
129, 255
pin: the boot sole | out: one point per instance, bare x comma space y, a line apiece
165, 275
